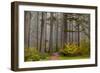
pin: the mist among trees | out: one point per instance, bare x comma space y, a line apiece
55, 35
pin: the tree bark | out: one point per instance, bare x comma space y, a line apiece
51, 32
57, 32
27, 30
65, 28
41, 37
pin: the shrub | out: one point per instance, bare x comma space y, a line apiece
31, 54
85, 47
70, 49
43, 55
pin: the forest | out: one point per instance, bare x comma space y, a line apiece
56, 36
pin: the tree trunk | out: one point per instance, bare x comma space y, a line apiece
27, 29
57, 32
37, 29
51, 33
41, 37
45, 31
65, 28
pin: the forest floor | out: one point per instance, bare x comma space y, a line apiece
67, 57
76, 57
60, 57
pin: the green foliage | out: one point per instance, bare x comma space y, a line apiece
85, 47
44, 55
70, 49
31, 54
